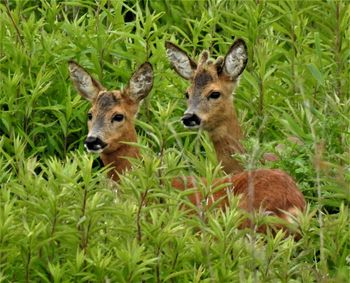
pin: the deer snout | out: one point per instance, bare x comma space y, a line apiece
191, 120
94, 144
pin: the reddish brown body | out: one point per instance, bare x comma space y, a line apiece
271, 191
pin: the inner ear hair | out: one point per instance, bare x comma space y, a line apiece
86, 85
180, 61
141, 82
236, 59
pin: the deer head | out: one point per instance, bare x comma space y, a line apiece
212, 83
110, 119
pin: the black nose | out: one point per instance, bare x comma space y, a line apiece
191, 120
94, 144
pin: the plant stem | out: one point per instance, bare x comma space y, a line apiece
13, 22
337, 48
138, 216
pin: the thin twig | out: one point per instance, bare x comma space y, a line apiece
138, 216
13, 22
338, 49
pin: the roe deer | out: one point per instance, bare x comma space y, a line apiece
210, 107
111, 117
210, 98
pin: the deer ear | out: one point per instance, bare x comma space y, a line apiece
236, 59
178, 58
141, 82
85, 84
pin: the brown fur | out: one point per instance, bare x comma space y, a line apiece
269, 191
115, 135
218, 117
119, 158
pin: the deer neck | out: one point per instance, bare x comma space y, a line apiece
226, 139
119, 159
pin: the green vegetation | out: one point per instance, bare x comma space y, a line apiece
62, 220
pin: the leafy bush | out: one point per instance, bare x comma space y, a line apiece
61, 219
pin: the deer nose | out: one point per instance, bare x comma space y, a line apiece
191, 120
94, 144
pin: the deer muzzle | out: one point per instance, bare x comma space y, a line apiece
191, 120
94, 144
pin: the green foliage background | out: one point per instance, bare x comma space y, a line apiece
62, 220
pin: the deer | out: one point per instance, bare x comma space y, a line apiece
111, 117
210, 107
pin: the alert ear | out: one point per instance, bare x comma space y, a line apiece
85, 84
141, 82
180, 61
236, 59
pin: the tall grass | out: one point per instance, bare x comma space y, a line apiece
61, 219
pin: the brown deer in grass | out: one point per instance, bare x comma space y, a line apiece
111, 117
210, 106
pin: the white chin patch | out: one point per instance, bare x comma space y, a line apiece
192, 127
95, 151
98, 150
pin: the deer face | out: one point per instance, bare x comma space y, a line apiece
209, 96
110, 119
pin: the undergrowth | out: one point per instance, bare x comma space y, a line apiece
63, 220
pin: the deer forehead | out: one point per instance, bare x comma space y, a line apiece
204, 75
204, 84
107, 99
110, 101
202, 79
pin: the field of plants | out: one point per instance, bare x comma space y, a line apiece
63, 220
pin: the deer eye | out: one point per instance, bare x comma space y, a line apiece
89, 116
117, 118
187, 95
214, 95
